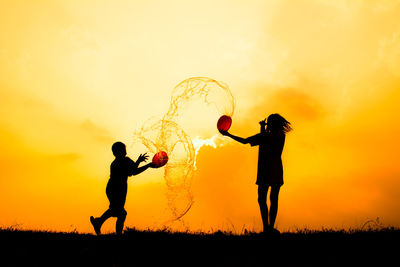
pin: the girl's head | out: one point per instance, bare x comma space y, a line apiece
119, 149
277, 123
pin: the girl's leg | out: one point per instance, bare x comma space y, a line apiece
262, 202
274, 204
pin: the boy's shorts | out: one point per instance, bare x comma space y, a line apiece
116, 194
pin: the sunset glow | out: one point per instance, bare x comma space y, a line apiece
76, 76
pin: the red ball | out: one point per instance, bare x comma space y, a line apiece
160, 159
224, 123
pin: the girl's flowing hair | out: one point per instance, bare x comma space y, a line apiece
278, 123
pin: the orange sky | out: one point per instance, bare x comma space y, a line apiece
75, 76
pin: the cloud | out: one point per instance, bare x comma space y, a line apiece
65, 157
293, 103
99, 133
79, 36
298, 104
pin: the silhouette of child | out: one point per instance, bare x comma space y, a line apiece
270, 169
117, 186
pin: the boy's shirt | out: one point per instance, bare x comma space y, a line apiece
121, 168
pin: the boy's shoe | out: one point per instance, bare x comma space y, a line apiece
95, 224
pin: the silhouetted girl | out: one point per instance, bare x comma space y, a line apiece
270, 170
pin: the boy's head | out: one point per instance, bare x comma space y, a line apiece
119, 149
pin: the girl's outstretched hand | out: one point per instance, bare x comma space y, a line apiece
223, 132
263, 123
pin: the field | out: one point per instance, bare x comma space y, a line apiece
164, 248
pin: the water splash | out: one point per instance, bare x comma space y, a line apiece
167, 135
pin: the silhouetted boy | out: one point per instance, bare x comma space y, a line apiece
270, 170
117, 186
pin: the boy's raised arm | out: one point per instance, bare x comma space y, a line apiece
143, 168
141, 158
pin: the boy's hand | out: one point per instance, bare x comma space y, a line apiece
263, 123
152, 165
142, 157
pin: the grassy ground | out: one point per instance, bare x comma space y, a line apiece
163, 248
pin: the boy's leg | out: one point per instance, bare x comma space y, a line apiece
262, 201
120, 222
95, 225
106, 215
98, 222
274, 204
